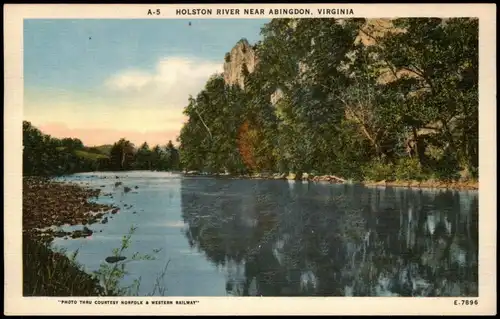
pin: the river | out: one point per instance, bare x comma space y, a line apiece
235, 237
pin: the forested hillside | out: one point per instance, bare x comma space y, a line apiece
44, 155
365, 100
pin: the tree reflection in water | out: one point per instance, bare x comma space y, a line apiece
279, 239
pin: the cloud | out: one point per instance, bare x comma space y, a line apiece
137, 104
129, 80
170, 84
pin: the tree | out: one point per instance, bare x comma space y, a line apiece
323, 100
71, 143
209, 138
122, 155
438, 60
143, 157
172, 156
156, 158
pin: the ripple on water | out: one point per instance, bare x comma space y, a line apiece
314, 238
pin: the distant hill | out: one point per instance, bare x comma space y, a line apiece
90, 155
103, 149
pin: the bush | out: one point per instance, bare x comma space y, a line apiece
407, 169
227, 57
446, 167
377, 171
447, 171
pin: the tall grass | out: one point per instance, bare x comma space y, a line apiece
51, 273
110, 276
48, 271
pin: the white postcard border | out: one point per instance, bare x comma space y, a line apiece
13, 79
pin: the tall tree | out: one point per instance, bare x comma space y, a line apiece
122, 155
143, 157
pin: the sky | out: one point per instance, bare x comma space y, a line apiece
101, 80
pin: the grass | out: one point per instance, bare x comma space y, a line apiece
89, 155
111, 275
93, 153
104, 149
51, 272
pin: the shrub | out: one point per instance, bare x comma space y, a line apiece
377, 171
446, 167
409, 169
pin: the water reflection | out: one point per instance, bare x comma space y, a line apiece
276, 239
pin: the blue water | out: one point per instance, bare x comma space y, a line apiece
283, 238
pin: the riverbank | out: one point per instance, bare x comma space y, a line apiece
332, 179
428, 184
50, 273
44, 211
48, 204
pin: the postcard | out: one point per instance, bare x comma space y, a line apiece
250, 159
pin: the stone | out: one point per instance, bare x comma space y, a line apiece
114, 259
241, 54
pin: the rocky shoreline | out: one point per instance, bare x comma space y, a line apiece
332, 179
48, 204
429, 184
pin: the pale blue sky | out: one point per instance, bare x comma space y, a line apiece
145, 67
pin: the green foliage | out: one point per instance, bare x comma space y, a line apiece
48, 271
409, 169
377, 171
89, 155
110, 276
103, 149
209, 141
44, 155
405, 169
122, 154
447, 168
345, 108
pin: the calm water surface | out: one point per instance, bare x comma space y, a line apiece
279, 238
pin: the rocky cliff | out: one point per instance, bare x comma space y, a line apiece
241, 57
